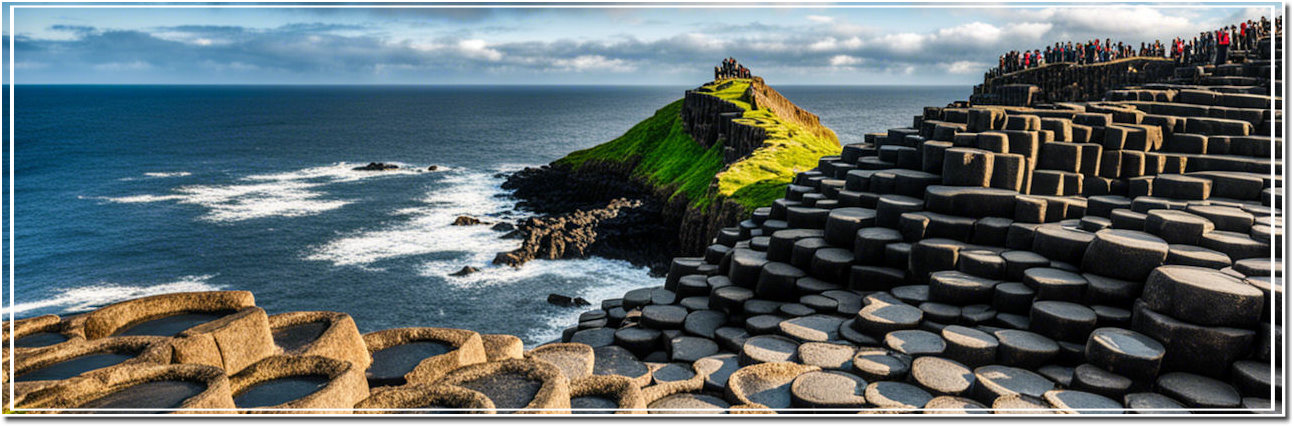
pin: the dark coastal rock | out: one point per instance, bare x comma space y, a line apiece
377, 167
467, 221
467, 270
566, 301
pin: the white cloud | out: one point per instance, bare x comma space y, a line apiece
821, 19
124, 66
966, 67
845, 61
592, 63
478, 49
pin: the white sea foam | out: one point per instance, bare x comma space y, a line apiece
288, 194
94, 296
167, 174
427, 228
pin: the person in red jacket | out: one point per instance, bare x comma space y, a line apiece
1224, 45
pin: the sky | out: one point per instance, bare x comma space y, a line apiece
657, 45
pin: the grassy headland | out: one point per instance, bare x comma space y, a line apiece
660, 152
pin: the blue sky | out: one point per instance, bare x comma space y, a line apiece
595, 45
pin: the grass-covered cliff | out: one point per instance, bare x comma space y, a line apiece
661, 152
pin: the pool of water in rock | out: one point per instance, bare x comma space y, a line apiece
593, 405
274, 392
391, 364
296, 336
163, 395
73, 367
509, 391
171, 325
37, 340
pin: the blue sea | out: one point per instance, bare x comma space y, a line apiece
128, 191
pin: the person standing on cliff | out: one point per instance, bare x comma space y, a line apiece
1224, 46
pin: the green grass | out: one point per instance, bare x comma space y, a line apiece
661, 152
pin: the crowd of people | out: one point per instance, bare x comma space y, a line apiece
730, 68
1208, 47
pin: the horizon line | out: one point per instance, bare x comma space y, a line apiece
461, 84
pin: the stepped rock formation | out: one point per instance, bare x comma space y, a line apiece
1100, 256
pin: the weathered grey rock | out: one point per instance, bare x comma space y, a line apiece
717, 369
1063, 376
1022, 405
730, 299
1152, 403
813, 328
777, 281
1188, 255
640, 341
688, 404
1177, 227
1090, 378
1024, 349
1203, 296
951, 405
982, 263
1110, 291
874, 365
896, 396
969, 346
1253, 378
731, 338
843, 223
996, 381
960, 288
690, 349
1190, 347
664, 317
1125, 352
828, 356
1236, 245
1124, 254
1056, 284
704, 323
915, 342
1064, 321
673, 372
764, 324
615, 360
595, 337
1078, 402
1012, 297
880, 319
942, 376
767, 384
828, 389
768, 348
1197, 391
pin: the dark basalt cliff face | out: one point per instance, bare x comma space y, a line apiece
596, 212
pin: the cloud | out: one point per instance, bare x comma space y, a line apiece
844, 61
966, 67
424, 48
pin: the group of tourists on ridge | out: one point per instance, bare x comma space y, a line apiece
730, 68
1208, 47
1214, 46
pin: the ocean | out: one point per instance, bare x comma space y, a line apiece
127, 191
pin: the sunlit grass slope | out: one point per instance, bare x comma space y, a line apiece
662, 153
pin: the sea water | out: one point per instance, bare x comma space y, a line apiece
129, 191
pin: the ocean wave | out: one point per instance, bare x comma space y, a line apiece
89, 297
427, 228
288, 194
167, 174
